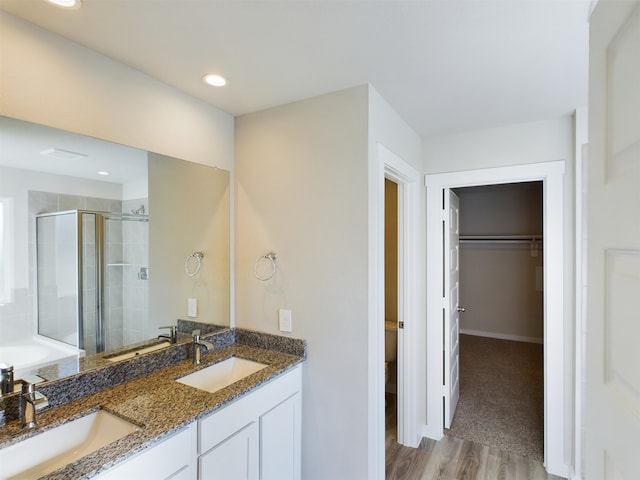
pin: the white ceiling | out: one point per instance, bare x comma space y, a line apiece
445, 65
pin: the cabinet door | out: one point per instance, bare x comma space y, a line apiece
280, 441
235, 458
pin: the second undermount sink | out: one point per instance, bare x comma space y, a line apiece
62, 445
221, 374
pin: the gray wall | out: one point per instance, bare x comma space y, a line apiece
301, 191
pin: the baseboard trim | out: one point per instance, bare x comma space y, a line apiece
502, 336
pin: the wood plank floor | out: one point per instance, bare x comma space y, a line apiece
455, 459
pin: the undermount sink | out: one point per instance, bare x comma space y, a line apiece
137, 351
60, 446
221, 374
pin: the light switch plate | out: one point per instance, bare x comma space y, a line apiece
284, 316
192, 307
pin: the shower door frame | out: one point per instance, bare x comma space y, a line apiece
99, 245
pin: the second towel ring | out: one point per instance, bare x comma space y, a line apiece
187, 263
265, 266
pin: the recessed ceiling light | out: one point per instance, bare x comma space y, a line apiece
102, 172
214, 80
69, 4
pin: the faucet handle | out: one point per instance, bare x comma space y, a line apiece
196, 332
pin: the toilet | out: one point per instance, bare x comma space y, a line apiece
390, 350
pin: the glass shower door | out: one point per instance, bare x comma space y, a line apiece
57, 251
68, 272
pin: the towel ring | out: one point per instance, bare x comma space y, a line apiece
187, 263
265, 266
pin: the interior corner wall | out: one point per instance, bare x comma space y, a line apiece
301, 173
47, 79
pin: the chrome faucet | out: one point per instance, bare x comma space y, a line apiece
31, 402
173, 333
197, 343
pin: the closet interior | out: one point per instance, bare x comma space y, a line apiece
501, 329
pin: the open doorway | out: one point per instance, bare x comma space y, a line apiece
501, 394
391, 317
556, 359
410, 308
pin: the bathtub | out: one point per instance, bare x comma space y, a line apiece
31, 354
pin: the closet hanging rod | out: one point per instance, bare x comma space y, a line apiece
501, 238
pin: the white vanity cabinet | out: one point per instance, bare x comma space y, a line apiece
172, 459
256, 437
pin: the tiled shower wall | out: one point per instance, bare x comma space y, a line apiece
126, 287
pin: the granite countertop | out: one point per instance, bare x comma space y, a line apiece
154, 402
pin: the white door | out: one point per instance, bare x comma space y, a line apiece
451, 305
613, 240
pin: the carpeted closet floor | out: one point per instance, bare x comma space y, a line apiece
501, 395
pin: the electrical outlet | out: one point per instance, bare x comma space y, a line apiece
192, 307
285, 320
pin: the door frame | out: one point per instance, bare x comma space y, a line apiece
391, 166
556, 365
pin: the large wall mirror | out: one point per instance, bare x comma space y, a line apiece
102, 244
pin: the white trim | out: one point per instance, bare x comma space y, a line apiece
581, 138
551, 173
501, 336
375, 336
389, 165
408, 179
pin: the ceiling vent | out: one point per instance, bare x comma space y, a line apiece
62, 154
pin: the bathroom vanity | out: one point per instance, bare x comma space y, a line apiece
247, 429
257, 436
